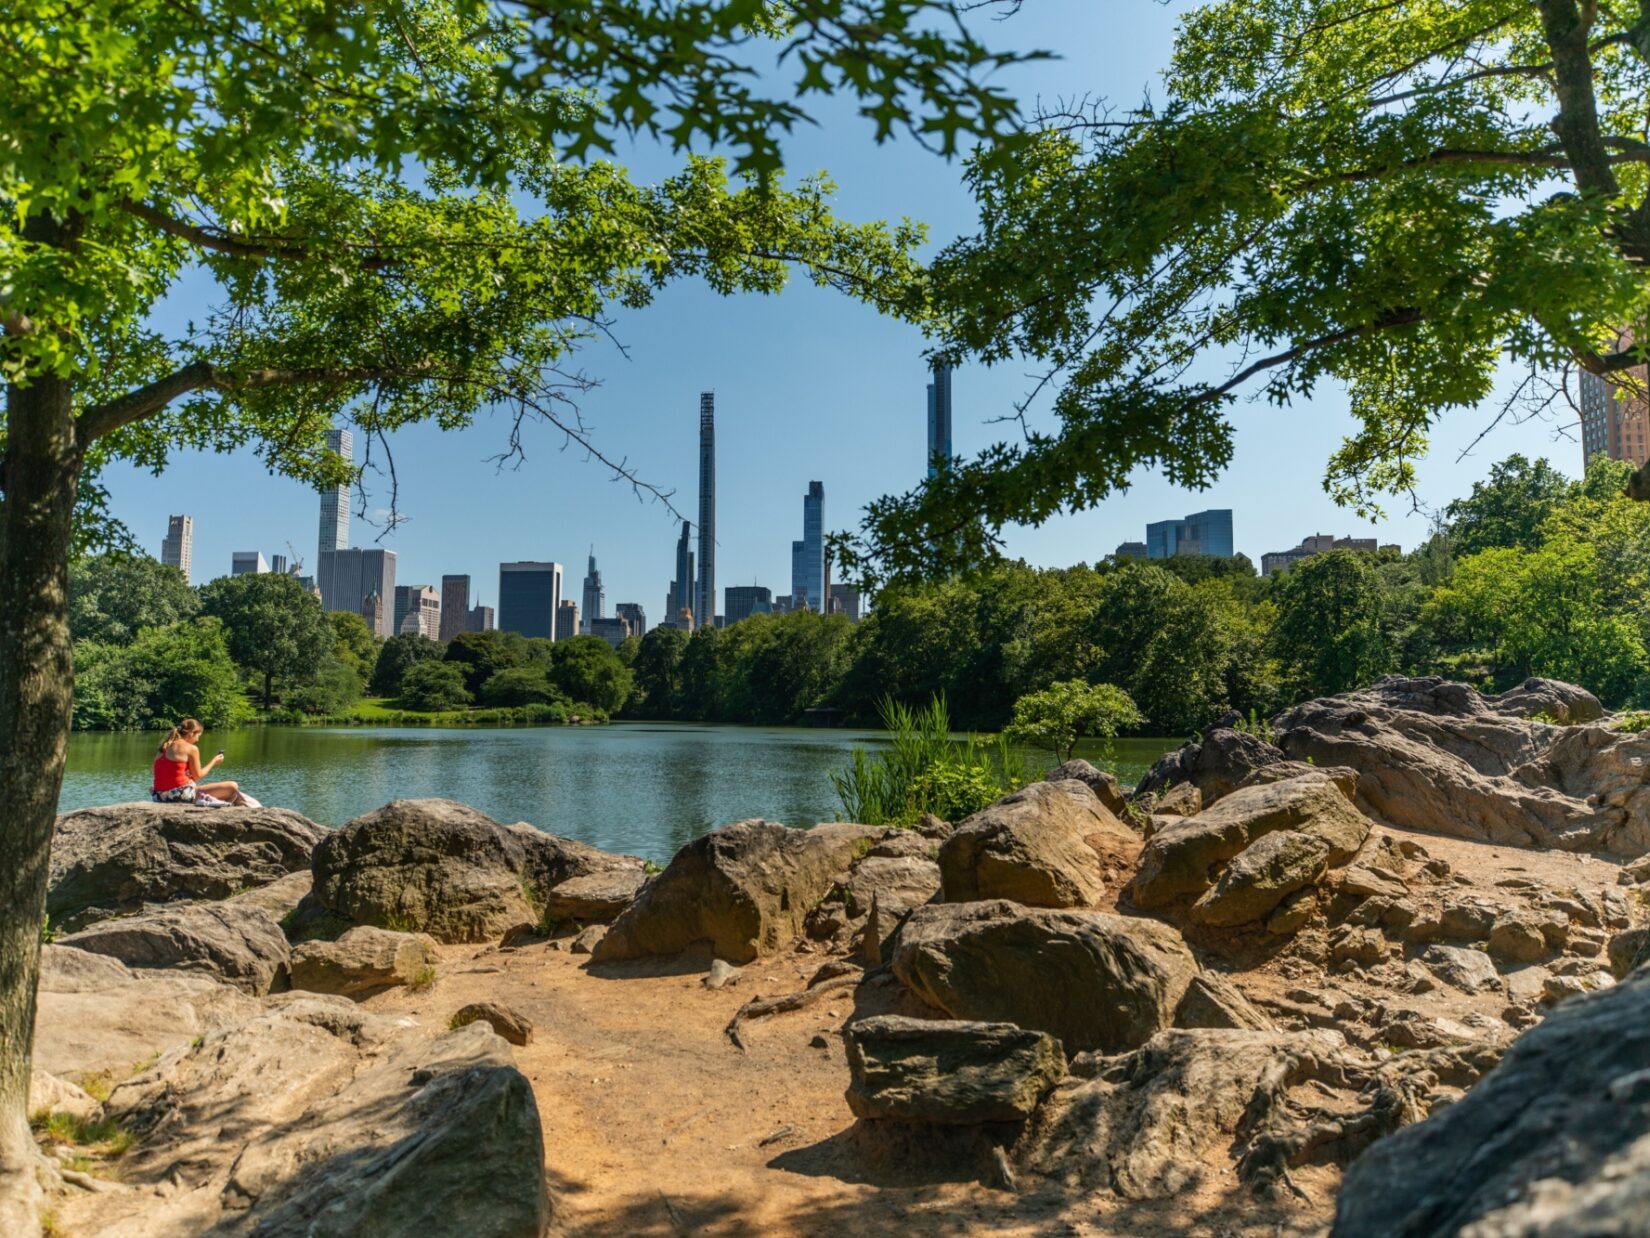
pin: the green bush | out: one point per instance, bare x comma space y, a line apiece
519, 685
924, 770
431, 686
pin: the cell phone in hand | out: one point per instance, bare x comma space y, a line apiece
220, 754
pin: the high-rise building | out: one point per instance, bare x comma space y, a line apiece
277, 564
679, 601
567, 620
704, 591
595, 599
178, 549
1201, 533
335, 499
1130, 550
613, 631
481, 619
529, 596
845, 601
1615, 420
808, 555
244, 561
455, 606
939, 419
1277, 561
743, 601
372, 610
423, 605
633, 614
348, 577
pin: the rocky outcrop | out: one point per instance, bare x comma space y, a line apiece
50, 1094
1216, 765
242, 946
1092, 980
740, 892
1105, 786
363, 961
1261, 876
1029, 848
442, 868
1181, 860
1437, 756
314, 1117
955, 1073
1567, 704
1555, 1141
108, 861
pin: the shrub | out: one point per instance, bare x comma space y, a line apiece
431, 686
1062, 713
519, 685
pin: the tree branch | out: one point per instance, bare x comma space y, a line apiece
222, 242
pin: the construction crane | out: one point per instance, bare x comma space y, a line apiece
296, 565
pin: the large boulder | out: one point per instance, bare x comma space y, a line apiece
741, 891
958, 1073
242, 946
363, 961
1264, 873
1554, 1142
1092, 980
1105, 786
1567, 704
594, 898
1217, 764
1029, 848
1437, 756
1181, 860
443, 868
314, 1117
107, 861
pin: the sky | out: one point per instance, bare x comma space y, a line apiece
809, 386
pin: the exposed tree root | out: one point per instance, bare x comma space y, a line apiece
761, 1008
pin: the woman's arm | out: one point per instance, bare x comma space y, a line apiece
197, 771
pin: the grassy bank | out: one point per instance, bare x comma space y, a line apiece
383, 711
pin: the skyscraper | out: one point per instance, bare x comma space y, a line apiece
680, 598
1201, 533
845, 601
348, 577
455, 605
178, 550
743, 601
1615, 420
244, 561
633, 614
567, 620
808, 555
704, 592
939, 419
335, 499
594, 598
277, 564
529, 595
481, 618
423, 604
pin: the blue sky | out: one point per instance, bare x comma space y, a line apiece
809, 385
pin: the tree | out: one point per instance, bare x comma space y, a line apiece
1508, 508
356, 646
481, 655
276, 629
431, 686
400, 654
1065, 712
587, 670
656, 689
165, 675
519, 685
404, 217
1328, 634
1400, 200
112, 597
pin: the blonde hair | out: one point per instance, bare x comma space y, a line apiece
183, 730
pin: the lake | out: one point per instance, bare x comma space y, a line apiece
641, 788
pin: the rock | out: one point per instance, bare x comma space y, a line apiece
1634, 872
1293, 913
1028, 847
721, 975
443, 868
1397, 915
930, 826
50, 1094
1550, 1144
519, 935
1627, 951
1181, 800
281, 897
1216, 766
896, 883
509, 1023
1363, 946
594, 897
363, 961
1526, 984
742, 891
1517, 937
587, 940
899, 844
1211, 1001
106, 861
1262, 875
315, 1117
1092, 980
1437, 756
956, 1073
1567, 704
1178, 861
1556, 989
1466, 920
1468, 970
1343, 776
1105, 787
241, 945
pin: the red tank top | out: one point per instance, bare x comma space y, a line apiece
170, 774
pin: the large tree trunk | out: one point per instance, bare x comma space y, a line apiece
36, 696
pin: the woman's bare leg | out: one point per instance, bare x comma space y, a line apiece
230, 791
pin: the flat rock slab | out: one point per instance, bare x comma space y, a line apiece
112, 860
594, 898
362, 961
241, 945
1094, 981
1471, 971
1028, 847
950, 1072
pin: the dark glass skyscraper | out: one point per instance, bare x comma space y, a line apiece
808, 555
1201, 533
939, 418
680, 597
704, 591
529, 595
335, 499
594, 597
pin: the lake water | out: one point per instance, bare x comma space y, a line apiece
640, 788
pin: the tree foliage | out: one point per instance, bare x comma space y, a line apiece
1329, 636
1057, 717
166, 674
399, 654
112, 597
431, 685
276, 630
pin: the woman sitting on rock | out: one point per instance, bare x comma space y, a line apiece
178, 772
